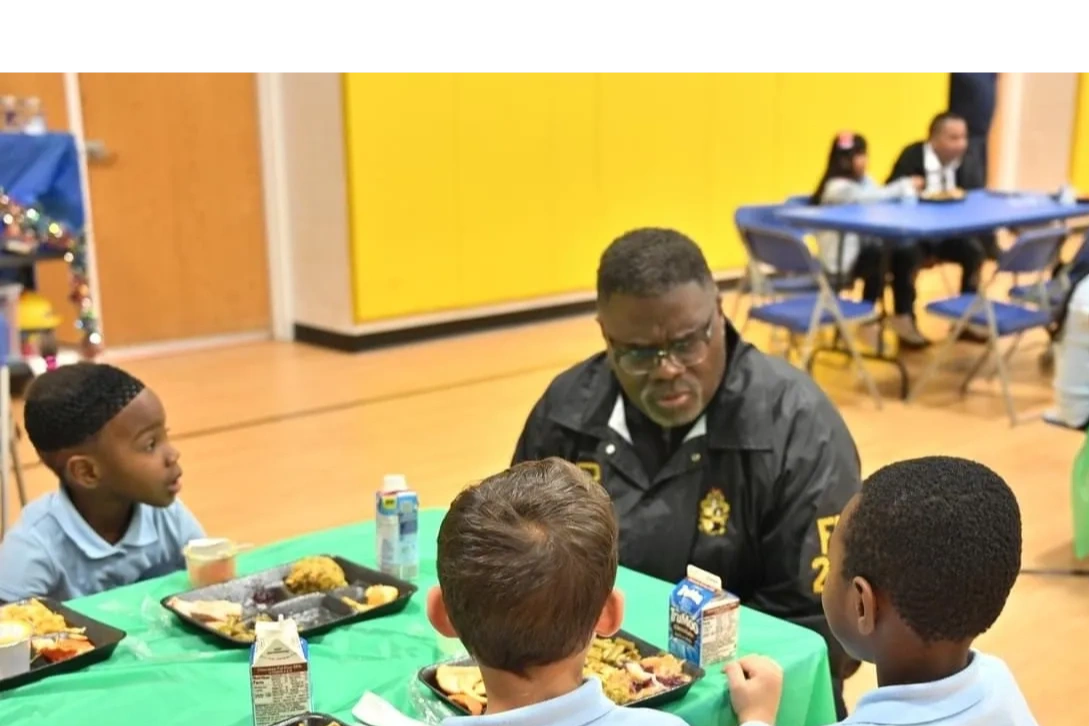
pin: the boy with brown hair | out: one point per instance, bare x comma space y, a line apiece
527, 561
922, 561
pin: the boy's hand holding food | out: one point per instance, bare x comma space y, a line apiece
756, 686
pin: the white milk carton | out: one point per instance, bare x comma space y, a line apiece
396, 526
703, 619
279, 672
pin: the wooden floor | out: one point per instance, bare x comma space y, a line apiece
281, 439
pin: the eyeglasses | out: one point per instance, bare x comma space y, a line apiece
686, 352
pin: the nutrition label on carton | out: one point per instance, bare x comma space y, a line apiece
719, 633
279, 692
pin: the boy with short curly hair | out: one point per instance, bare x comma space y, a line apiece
115, 518
922, 562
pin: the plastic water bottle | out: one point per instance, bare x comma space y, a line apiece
396, 526
910, 197
33, 120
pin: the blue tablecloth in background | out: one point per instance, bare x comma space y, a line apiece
43, 170
980, 211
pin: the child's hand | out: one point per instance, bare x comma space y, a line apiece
756, 685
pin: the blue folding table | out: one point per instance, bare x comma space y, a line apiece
898, 223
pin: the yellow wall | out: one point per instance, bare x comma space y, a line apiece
477, 189
1079, 152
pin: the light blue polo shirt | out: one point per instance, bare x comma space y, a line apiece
983, 694
53, 552
587, 704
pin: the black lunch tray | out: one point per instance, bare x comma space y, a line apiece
428, 673
314, 614
103, 637
312, 719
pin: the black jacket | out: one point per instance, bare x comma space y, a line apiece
910, 163
973, 96
777, 460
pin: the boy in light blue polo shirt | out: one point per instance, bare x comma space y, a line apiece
922, 561
115, 518
527, 561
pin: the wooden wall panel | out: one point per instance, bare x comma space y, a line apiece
178, 211
1048, 105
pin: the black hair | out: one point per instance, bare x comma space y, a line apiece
941, 119
845, 147
941, 538
68, 406
649, 262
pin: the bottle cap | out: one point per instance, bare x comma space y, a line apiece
394, 483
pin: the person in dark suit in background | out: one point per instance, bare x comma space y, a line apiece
973, 96
944, 163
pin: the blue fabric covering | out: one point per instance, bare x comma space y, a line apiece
1009, 319
43, 170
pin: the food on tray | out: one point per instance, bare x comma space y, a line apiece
206, 611
52, 637
625, 675
944, 195
374, 596
464, 686
41, 619
55, 650
222, 616
314, 574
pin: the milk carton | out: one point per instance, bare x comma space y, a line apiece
279, 672
396, 526
703, 619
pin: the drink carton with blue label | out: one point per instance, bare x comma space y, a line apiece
396, 524
703, 619
279, 672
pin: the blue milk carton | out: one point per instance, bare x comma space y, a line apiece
703, 619
279, 672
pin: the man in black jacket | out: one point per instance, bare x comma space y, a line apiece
945, 163
714, 454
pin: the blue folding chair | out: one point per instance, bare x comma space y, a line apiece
1032, 254
756, 282
785, 250
1057, 287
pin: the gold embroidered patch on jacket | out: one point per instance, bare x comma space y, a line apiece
714, 513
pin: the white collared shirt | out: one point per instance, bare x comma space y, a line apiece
939, 178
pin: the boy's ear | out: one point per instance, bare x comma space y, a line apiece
865, 606
436, 613
82, 471
612, 615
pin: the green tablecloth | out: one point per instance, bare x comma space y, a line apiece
165, 675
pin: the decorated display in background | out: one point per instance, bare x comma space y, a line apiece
26, 230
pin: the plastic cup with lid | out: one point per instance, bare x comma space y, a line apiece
210, 561
14, 649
